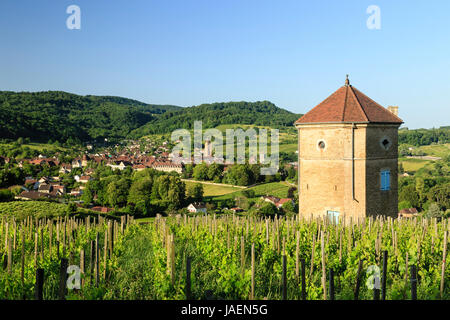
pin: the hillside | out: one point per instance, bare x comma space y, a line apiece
260, 113
58, 115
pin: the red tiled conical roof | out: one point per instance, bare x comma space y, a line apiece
348, 104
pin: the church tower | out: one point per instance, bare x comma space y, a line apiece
348, 158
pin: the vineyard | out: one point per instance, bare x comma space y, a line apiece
228, 257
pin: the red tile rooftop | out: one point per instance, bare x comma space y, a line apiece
348, 104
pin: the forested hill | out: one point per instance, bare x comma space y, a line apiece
62, 116
57, 115
260, 113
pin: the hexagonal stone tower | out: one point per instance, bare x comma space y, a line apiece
347, 157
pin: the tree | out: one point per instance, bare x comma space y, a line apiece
433, 211
440, 194
71, 208
88, 194
188, 171
291, 172
288, 207
6, 195
420, 189
408, 193
242, 202
200, 172
249, 193
195, 192
405, 204
214, 172
140, 190
117, 193
291, 192
267, 209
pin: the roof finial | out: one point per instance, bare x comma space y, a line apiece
347, 82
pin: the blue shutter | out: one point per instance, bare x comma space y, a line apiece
385, 180
388, 180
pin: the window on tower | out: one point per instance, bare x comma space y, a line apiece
385, 176
385, 143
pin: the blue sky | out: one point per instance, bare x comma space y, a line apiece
293, 53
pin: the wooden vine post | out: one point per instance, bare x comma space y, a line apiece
63, 279
97, 253
10, 255
303, 266
383, 279
252, 293
38, 291
324, 275
331, 284
105, 253
358, 279
444, 256
242, 256
413, 282
82, 266
284, 279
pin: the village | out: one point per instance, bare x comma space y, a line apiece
68, 180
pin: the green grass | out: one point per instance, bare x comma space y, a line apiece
40, 209
145, 220
412, 165
213, 190
38, 146
288, 148
224, 127
437, 150
277, 189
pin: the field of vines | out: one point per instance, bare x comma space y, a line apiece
227, 257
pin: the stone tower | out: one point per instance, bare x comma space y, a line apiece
348, 157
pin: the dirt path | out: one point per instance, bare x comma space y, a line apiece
424, 157
215, 184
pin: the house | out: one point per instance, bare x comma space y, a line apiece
281, 202
18, 186
31, 181
65, 168
44, 180
76, 192
271, 199
33, 195
102, 209
139, 167
119, 164
89, 171
42, 161
45, 188
196, 207
85, 179
4, 160
84, 160
59, 189
408, 213
167, 166
236, 209
76, 163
